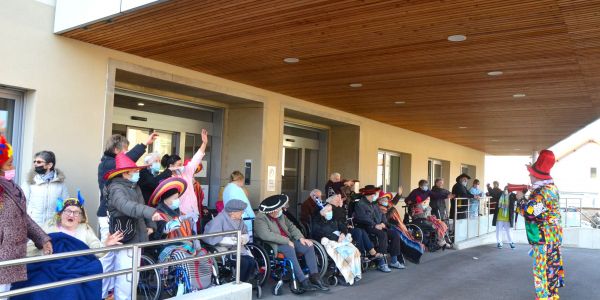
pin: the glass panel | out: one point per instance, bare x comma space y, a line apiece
166, 143
380, 169
138, 136
289, 181
429, 171
7, 114
437, 171
394, 174
311, 167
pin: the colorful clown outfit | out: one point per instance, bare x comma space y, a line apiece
544, 232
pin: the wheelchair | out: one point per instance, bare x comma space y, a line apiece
419, 230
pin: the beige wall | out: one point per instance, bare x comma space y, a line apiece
68, 104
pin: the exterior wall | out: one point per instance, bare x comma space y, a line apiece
68, 106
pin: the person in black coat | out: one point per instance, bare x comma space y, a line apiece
150, 177
438, 197
494, 194
115, 145
459, 190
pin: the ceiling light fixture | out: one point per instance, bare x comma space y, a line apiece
291, 60
356, 85
519, 95
494, 141
495, 73
517, 149
462, 127
141, 104
400, 102
457, 38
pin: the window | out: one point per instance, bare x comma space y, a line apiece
388, 171
11, 120
593, 172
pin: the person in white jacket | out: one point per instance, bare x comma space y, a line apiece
45, 184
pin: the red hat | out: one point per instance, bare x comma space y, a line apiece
542, 166
369, 190
123, 164
6, 151
382, 194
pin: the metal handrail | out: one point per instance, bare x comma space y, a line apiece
133, 270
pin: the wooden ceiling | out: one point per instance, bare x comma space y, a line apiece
546, 49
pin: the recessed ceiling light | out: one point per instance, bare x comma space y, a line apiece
494, 141
356, 85
400, 102
291, 60
462, 127
141, 104
457, 38
517, 149
519, 95
495, 73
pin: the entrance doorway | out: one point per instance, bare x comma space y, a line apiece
137, 115
304, 163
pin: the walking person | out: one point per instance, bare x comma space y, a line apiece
504, 217
45, 185
544, 231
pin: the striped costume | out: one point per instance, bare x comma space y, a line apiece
544, 233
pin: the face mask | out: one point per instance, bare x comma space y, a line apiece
175, 204
40, 170
279, 213
476, 186
425, 188
374, 198
135, 177
328, 215
10, 174
181, 169
505, 192
155, 167
385, 204
464, 183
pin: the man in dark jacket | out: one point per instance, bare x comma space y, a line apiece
459, 190
438, 197
368, 217
494, 194
117, 144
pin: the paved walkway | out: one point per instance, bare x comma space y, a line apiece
495, 274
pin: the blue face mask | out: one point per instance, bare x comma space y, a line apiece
155, 167
279, 213
175, 204
385, 204
328, 215
135, 177
425, 188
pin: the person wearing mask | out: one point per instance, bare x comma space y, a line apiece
280, 233
189, 202
459, 190
494, 194
422, 191
45, 184
368, 216
15, 224
439, 196
474, 203
334, 184
310, 207
504, 216
128, 214
115, 145
235, 190
421, 214
151, 176
543, 226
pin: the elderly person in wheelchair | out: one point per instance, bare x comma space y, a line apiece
231, 219
272, 227
421, 215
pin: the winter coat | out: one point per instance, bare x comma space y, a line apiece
512, 200
42, 196
323, 228
266, 229
107, 163
494, 194
459, 191
222, 222
125, 199
367, 214
307, 210
148, 182
417, 193
438, 198
16, 227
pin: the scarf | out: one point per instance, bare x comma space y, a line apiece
48, 176
503, 203
541, 183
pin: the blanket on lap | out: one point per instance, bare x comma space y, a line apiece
62, 269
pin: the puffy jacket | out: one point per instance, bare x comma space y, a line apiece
42, 195
367, 215
266, 229
125, 199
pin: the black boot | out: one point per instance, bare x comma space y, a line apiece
315, 279
307, 286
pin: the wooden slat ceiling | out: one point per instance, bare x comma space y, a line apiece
547, 49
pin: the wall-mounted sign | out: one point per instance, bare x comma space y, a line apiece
271, 175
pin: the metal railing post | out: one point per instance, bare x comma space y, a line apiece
134, 271
468, 217
238, 257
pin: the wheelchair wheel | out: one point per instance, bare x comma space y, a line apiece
322, 258
149, 284
332, 280
263, 264
416, 232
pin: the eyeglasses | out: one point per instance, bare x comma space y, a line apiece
72, 213
38, 162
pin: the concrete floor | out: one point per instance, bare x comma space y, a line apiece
496, 274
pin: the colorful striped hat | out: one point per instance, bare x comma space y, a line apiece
164, 186
123, 164
6, 151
